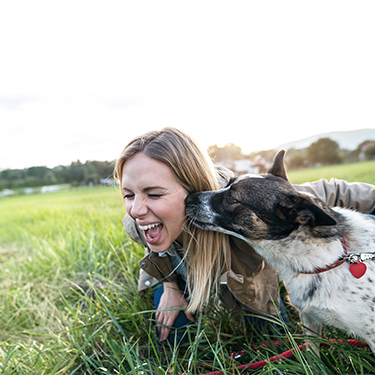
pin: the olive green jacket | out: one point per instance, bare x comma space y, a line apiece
250, 281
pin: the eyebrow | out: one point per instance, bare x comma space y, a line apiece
146, 189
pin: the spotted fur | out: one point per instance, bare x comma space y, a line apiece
298, 233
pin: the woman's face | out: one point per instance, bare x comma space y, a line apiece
154, 199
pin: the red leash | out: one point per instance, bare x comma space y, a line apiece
285, 355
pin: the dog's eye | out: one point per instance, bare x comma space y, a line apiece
231, 199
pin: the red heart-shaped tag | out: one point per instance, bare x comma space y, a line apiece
358, 269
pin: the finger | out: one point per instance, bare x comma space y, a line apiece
158, 316
161, 316
164, 333
159, 321
163, 322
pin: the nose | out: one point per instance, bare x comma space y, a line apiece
138, 207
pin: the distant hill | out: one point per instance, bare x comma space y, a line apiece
347, 140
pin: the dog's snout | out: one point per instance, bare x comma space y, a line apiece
191, 199
188, 200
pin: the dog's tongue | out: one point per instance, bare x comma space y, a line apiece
153, 232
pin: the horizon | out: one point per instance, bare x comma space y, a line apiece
310, 140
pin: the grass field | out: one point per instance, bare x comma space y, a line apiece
353, 172
69, 302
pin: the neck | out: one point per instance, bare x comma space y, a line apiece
335, 264
301, 257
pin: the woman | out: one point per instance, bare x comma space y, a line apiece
156, 172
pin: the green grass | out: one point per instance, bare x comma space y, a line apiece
353, 172
69, 302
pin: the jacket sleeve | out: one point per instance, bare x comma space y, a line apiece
353, 195
223, 175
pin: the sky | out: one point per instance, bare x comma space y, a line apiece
80, 79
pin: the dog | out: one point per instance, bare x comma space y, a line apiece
323, 254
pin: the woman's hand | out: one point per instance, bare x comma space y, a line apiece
171, 298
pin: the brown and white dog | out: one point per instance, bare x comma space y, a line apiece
323, 254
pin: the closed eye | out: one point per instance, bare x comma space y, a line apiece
155, 195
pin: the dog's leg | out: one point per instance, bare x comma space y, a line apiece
312, 329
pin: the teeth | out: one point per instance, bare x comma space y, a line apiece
147, 227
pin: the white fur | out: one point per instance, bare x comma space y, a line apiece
334, 297
340, 299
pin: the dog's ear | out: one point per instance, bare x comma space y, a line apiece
278, 166
302, 210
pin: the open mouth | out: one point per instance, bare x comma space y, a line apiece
152, 232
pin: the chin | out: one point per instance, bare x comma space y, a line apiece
158, 249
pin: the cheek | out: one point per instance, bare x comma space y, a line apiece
174, 214
177, 211
128, 207
182, 207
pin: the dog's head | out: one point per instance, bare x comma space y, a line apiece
257, 207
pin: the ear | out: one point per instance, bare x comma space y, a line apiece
278, 166
302, 210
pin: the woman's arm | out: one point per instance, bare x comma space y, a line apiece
355, 195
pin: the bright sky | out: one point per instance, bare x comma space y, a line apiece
80, 79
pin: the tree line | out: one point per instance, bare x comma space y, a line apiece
76, 174
322, 152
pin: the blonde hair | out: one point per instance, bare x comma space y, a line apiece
194, 170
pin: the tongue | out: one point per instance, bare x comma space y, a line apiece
153, 232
